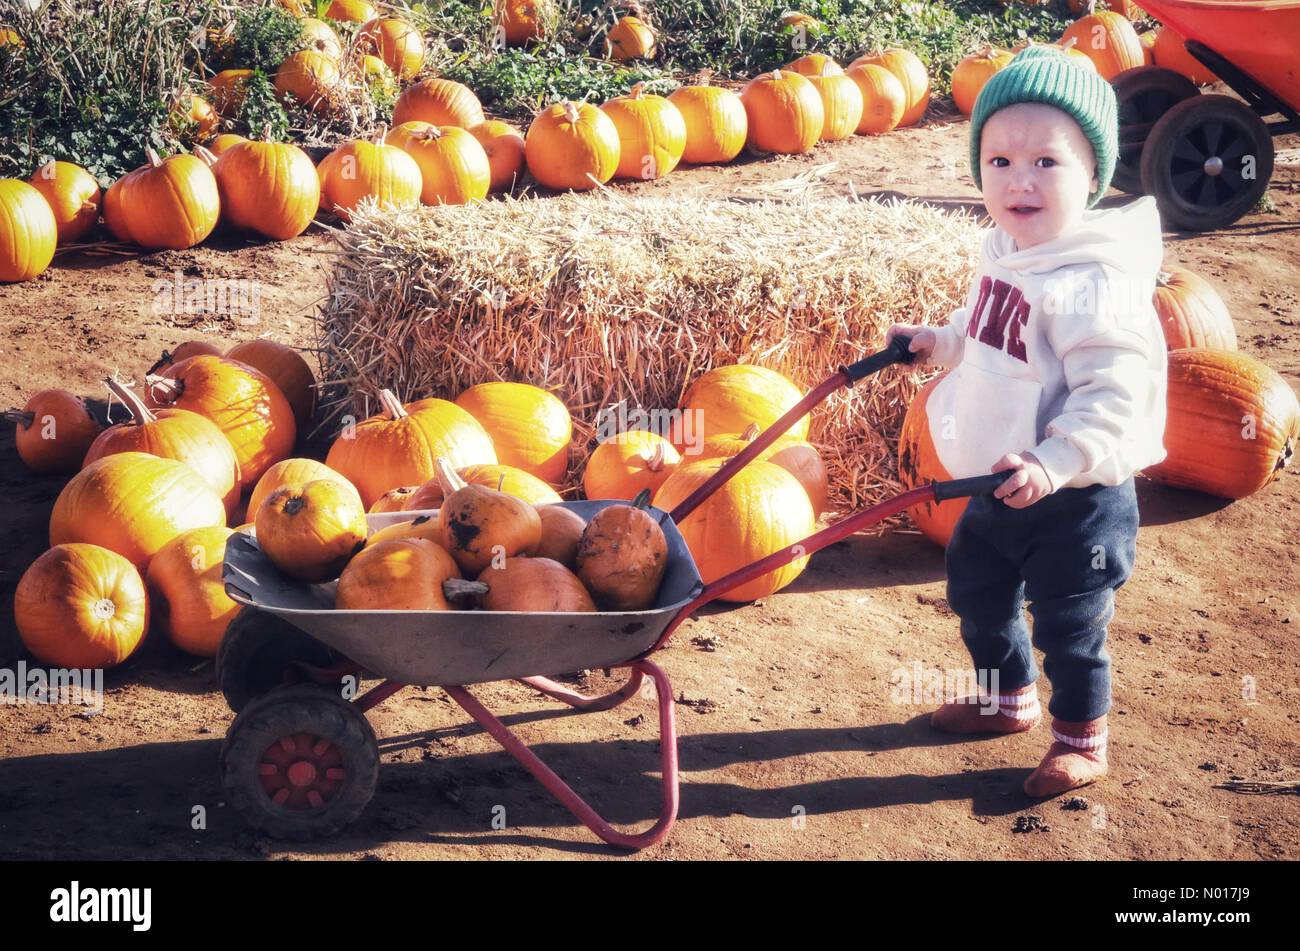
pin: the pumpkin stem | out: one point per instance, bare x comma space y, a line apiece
154, 160
103, 609
448, 477
776, 75
19, 418
642, 500
87, 206
379, 135
1069, 44
1163, 278
208, 158
571, 112
391, 404
501, 480
458, 589
163, 389
656, 460
703, 76
140, 413
636, 90
164, 361
750, 432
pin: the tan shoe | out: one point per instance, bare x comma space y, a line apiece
1077, 758
969, 715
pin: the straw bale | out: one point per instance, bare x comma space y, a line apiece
603, 297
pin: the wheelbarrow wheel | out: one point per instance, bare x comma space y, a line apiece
1144, 94
300, 763
1207, 162
258, 654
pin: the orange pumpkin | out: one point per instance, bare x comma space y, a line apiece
1232, 424
716, 122
760, 511
910, 72
172, 434
183, 351
394, 500
479, 524
784, 111
1168, 51
728, 399
622, 556
973, 72
440, 102
400, 445
133, 503
651, 134
405, 574
533, 585
290, 472
625, 465
29, 231
454, 168
815, 64
308, 77
310, 531
374, 169
320, 37
569, 145
1125, 8
244, 403
350, 11
375, 72
423, 526
286, 368
530, 428
504, 147
883, 99
394, 41
267, 187
630, 38
186, 591
918, 464
81, 606
796, 456
168, 204
73, 196
200, 112
561, 532
1192, 314
54, 430
519, 21
1109, 40
227, 90
841, 101
507, 479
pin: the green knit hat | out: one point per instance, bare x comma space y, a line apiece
1046, 74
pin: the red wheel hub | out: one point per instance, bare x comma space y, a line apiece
302, 771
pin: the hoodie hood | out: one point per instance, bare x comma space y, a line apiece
1127, 239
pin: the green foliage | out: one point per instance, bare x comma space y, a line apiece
263, 37
261, 113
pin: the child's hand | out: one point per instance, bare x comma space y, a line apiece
1027, 485
923, 338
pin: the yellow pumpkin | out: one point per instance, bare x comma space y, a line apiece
728, 399
716, 122
910, 72
842, 103
629, 463
530, 428
440, 102
28, 231
310, 531
291, 472
510, 480
73, 195
359, 169
454, 168
186, 591
404, 574
569, 145
422, 526
504, 147
883, 99
651, 134
785, 113
796, 456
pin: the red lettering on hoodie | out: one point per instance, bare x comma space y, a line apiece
1007, 311
1015, 346
972, 325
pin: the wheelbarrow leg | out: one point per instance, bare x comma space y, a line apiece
583, 702
561, 790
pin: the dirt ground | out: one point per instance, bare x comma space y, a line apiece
791, 742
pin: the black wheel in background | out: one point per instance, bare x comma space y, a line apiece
1144, 94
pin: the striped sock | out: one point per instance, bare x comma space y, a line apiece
1022, 705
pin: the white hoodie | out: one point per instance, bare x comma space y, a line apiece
1059, 352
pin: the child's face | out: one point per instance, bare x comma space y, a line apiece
1037, 170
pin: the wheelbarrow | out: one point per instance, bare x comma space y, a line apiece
300, 759
1207, 159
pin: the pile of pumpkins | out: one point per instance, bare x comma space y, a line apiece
139, 531
1232, 422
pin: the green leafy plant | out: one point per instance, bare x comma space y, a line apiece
261, 37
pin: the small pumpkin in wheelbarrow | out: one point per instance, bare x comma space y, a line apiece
561, 534
405, 574
526, 584
311, 531
478, 524
622, 556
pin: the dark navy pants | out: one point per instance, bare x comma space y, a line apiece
1067, 554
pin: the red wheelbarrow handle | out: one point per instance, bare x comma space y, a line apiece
896, 352
836, 531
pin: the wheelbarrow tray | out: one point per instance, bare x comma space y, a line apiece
438, 648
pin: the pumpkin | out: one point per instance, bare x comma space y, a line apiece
973, 72
297, 8
1074, 55
169, 204
394, 41
1168, 51
54, 430
454, 168
73, 195
1232, 424
651, 134
172, 434
1109, 40
244, 403
351, 11
507, 479
530, 428
479, 524
29, 231
796, 456
910, 72
622, 556
784, 111
227, 90
310, 531
569, 145
287, 370
186, 591
10, 37
422, 526
815, 64
534, 585
504, 147
267, 187
1192, 314
716, 122
883, 99
630, 38
374, 71
183, 351
728, 398
626, 464
399, 446
561, 532
374, 169
221, 143
438, 102
308, 77
289, 472
761, 510
519, 21
318, 36
801, 22
134, 503
918, 464
405, 574
81, 606
200, 113
394, 500
842, 104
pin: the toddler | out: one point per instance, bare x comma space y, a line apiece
1058, 373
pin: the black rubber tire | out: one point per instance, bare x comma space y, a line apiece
284, 713
1175, 153
258, 652
1144, 94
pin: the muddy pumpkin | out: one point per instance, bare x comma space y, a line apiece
404, 574
311, 531
479, 524
622, 556
534, 584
